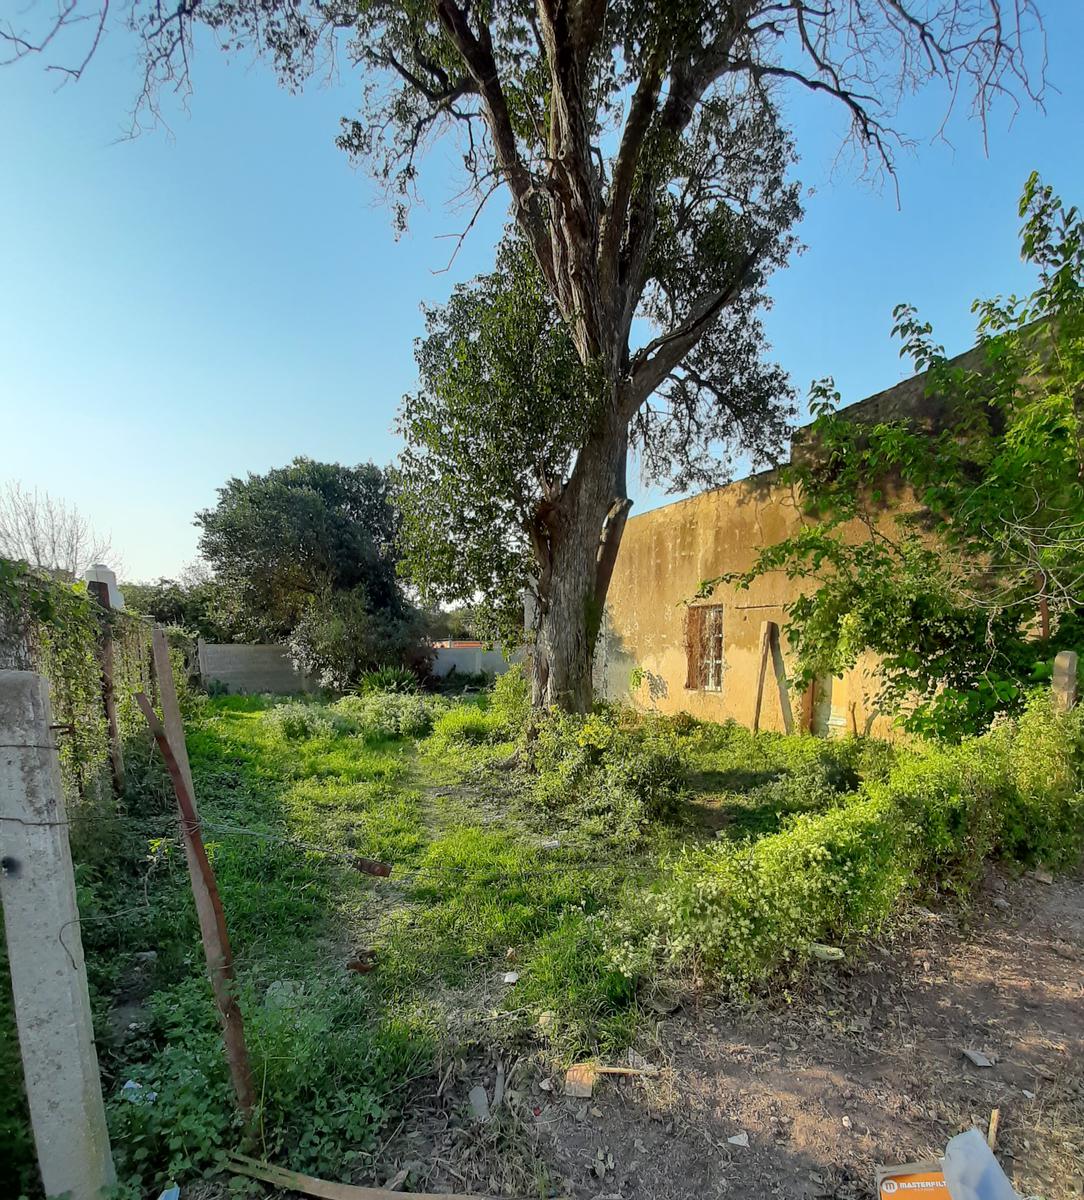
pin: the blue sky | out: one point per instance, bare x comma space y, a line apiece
184, 307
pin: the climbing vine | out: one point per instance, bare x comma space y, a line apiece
56, 628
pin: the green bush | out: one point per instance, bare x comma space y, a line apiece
510, 700
297, 721
391, 715
1043, 819
743, 912
612, 772
1015, 792
813, 786
930, 820
951, 799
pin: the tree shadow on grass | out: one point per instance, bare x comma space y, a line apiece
719, 804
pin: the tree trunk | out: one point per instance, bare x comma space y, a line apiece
576, 557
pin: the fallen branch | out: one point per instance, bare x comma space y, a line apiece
280, 1177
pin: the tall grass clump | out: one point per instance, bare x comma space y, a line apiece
500, 715
613, 773
392, 714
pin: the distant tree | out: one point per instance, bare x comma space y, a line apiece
288, 536
965, 592
309, 553
642, 154
51, 534
465, 622
341, 635
197, 602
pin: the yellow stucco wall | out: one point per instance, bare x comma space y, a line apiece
664, 556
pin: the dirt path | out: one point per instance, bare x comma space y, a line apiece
864, 1067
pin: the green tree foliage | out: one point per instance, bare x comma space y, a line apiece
309, 550
966, 591
490, 433
202, 605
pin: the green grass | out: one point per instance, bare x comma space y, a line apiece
640, 849
474, 893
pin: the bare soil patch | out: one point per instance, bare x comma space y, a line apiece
862, 1065
865, 1066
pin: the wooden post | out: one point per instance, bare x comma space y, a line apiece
762, 670
171, 710
100, 591
212, 919
169, 734
780, 669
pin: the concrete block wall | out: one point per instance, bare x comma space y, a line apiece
470, 659
250, 668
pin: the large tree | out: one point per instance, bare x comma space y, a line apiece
611, 126
493, 431
288, 536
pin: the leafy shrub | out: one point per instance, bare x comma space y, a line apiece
297, 721
950, 800
743, 912
932, 819
613, 771
17, 1167
1043, 818
1015, 791
391, 715
510, 700
684, 723
388, 679
341, 634
468, 723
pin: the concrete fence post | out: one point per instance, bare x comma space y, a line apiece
1064, 682
100, 591
45, 950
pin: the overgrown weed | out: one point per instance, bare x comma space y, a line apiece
554, 891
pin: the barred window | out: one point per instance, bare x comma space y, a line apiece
704, 647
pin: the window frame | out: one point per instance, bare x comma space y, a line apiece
705, 648
713, 649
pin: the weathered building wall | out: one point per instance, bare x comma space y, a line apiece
667, 553
664, 556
